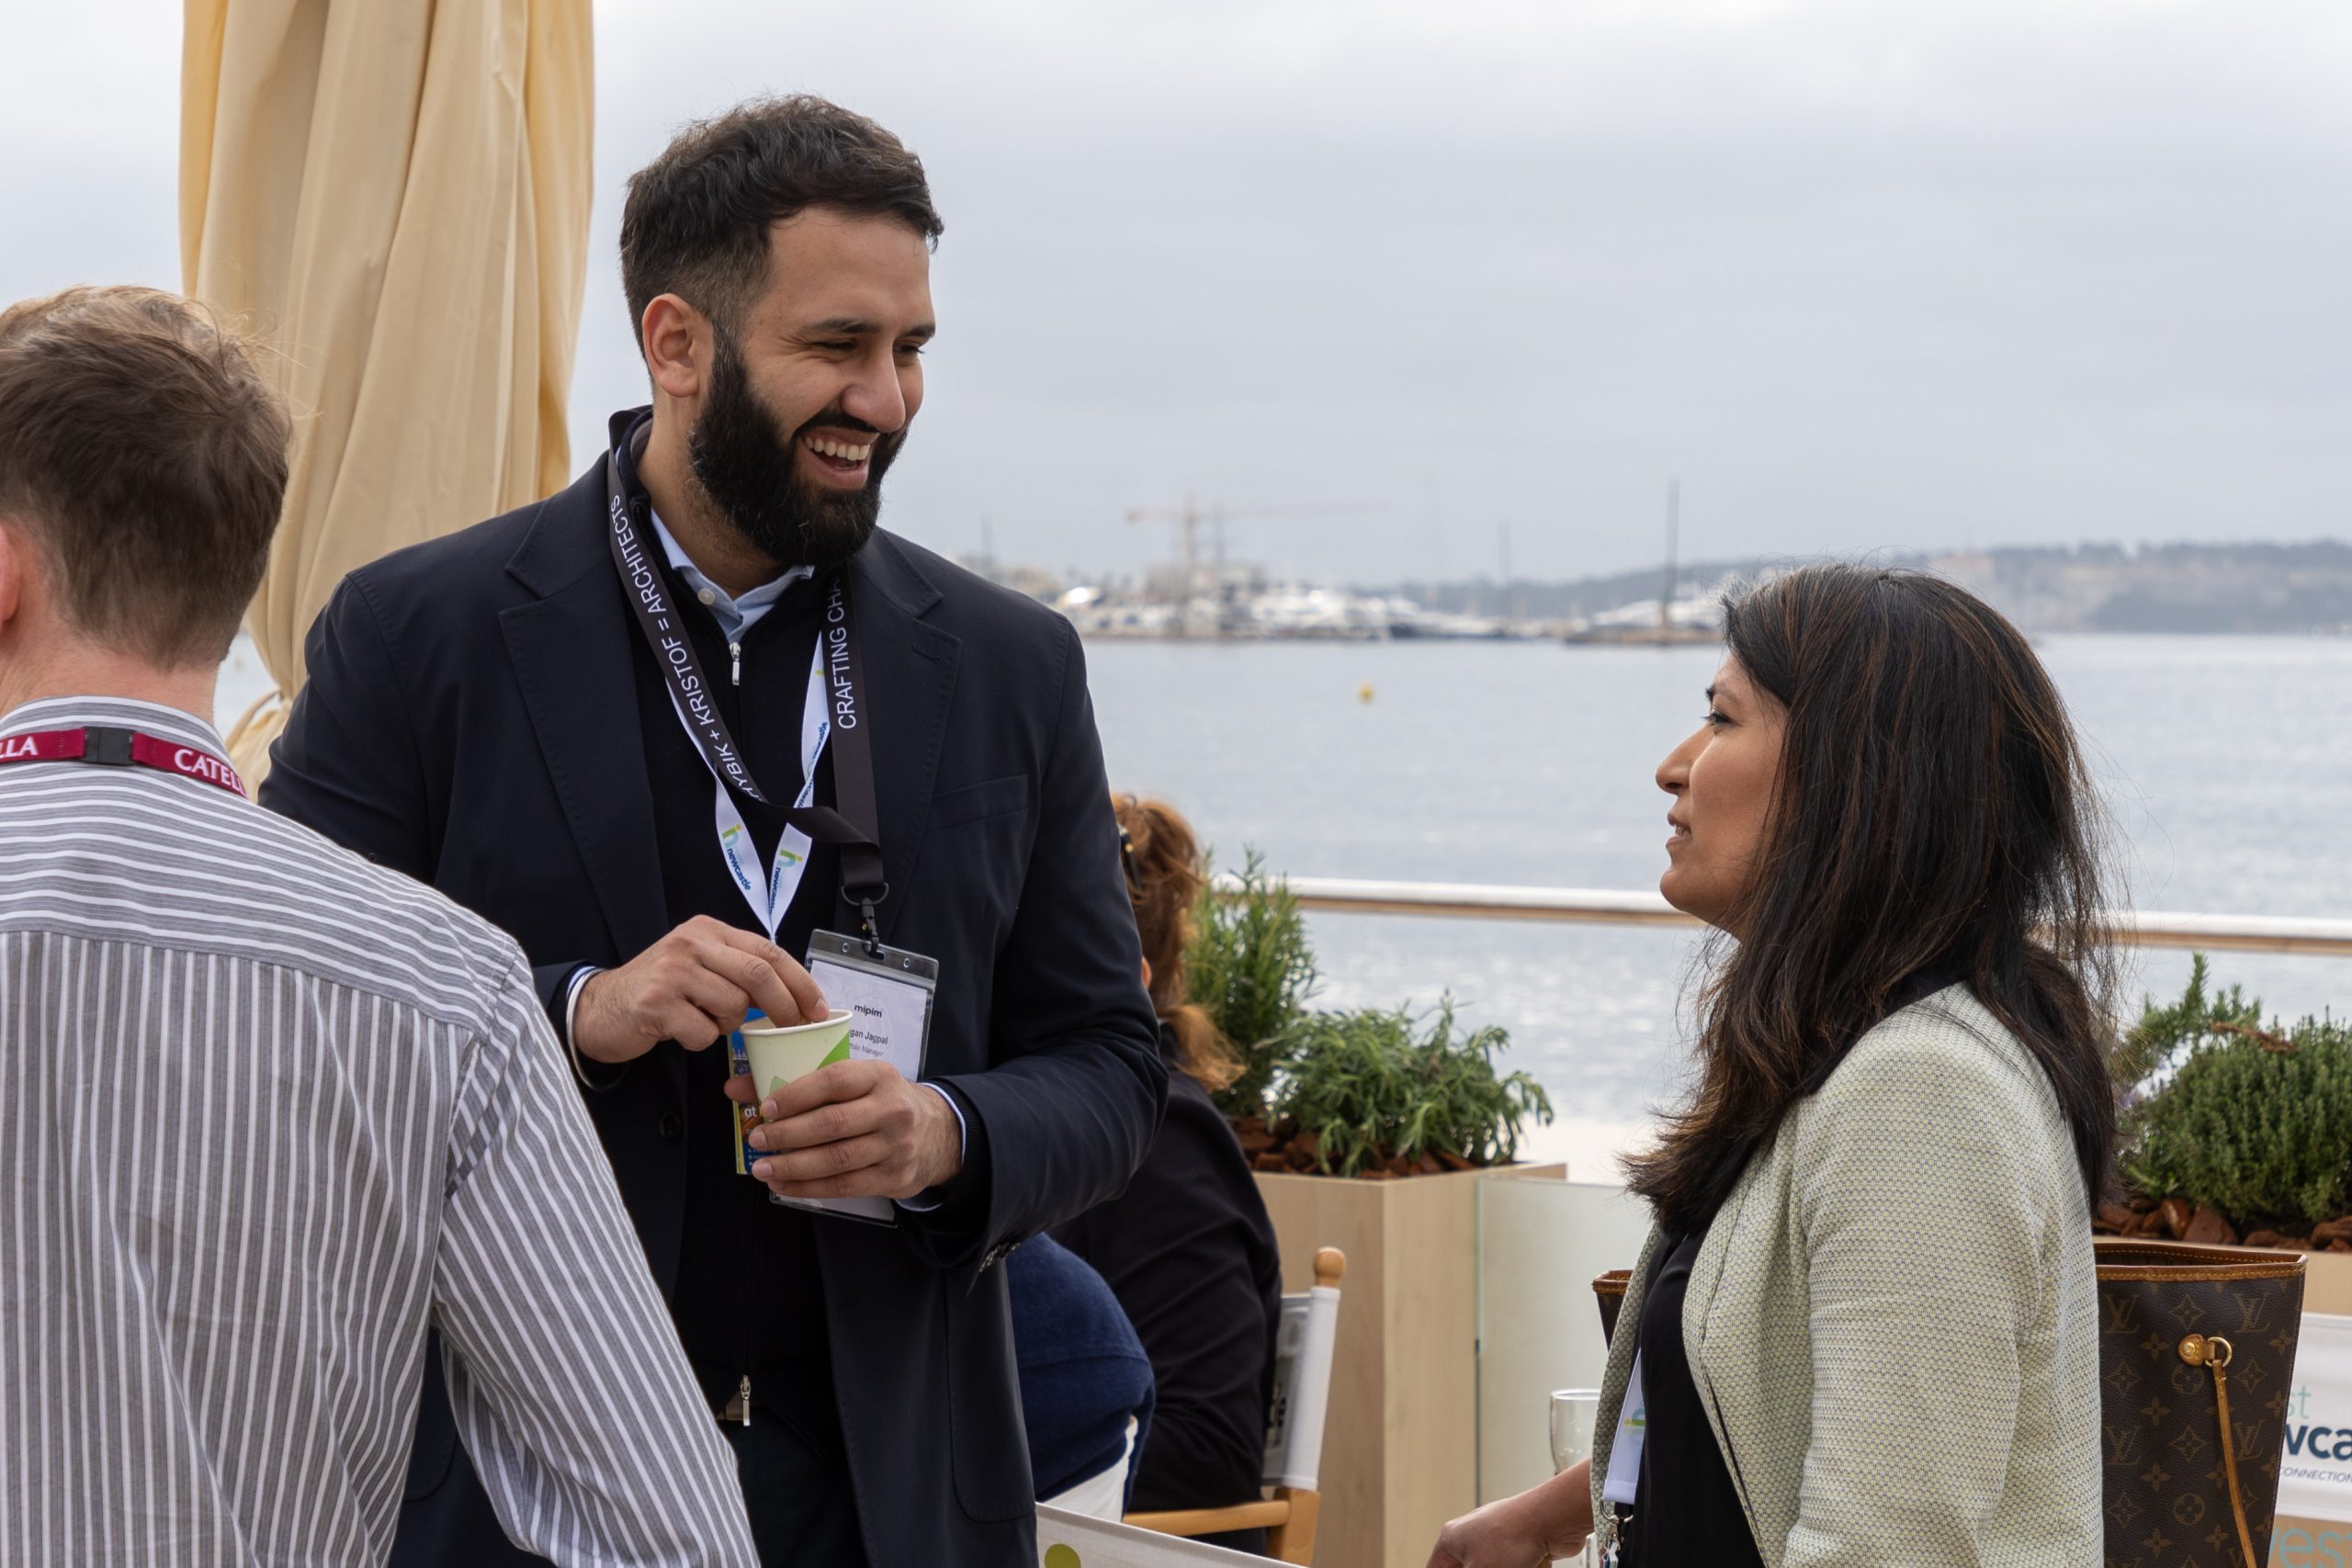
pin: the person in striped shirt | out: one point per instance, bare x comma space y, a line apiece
271, 1112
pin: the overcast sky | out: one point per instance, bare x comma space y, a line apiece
1863, 272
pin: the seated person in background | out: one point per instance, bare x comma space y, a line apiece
1086, 1393
1188, 1247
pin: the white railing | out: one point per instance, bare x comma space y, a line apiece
1473, 900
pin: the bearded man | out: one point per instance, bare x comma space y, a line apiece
695, 728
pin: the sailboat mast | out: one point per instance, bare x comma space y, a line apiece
1666, 589
1502, 549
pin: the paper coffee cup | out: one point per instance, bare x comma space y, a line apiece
780, 1056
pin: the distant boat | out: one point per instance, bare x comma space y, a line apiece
1314, 613
1687, 619
1684, 620
1408, 623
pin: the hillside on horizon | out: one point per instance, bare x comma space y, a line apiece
2293, 589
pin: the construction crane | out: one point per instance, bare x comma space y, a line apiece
1192, 517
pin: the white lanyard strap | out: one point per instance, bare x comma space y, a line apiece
770, 897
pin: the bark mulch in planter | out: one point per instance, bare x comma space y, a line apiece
1284, 1149
2177, 1219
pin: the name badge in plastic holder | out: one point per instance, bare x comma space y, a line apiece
887, 993
1626, 1454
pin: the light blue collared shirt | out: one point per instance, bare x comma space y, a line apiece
735, 617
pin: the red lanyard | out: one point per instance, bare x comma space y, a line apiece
121, 748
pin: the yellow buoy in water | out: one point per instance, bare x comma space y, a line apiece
1364, 693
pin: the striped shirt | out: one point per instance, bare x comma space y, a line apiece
268, 1113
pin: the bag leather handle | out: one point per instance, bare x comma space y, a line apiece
2213, 1354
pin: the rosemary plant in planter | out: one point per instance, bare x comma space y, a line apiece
1366, 1092
2230, 1125
1250, 967
1379, 1094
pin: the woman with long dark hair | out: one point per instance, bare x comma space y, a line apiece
1864, 1330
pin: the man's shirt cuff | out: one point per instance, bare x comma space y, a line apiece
571, 988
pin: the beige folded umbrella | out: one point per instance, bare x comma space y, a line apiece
393, 194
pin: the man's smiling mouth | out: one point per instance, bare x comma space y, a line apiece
839, 456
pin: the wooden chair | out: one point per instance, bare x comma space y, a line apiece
1294, 1429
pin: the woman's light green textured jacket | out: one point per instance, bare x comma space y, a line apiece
1892, 1321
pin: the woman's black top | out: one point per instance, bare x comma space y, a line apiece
1686, 1511
1190, 1252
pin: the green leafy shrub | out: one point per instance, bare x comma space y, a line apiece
1370, 1085
1357, 1088
1250, 965
2218, 1110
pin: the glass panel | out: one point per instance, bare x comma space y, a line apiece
1541, 1243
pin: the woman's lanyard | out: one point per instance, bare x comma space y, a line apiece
834, 714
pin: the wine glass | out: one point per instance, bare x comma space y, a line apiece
1574, 1410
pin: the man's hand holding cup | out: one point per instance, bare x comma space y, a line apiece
693, 986
854, 1129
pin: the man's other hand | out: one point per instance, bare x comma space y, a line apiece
853, 1130
693, 986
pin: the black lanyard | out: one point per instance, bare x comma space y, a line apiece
855, 829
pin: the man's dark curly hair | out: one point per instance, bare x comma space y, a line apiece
697, 218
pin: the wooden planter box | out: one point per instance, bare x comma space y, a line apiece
2327, 1283
1400, 1444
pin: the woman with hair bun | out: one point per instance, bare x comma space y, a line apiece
1188, 1248
1864, 1330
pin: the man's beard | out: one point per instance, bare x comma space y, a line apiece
745, 465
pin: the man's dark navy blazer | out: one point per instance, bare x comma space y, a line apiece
469, 720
